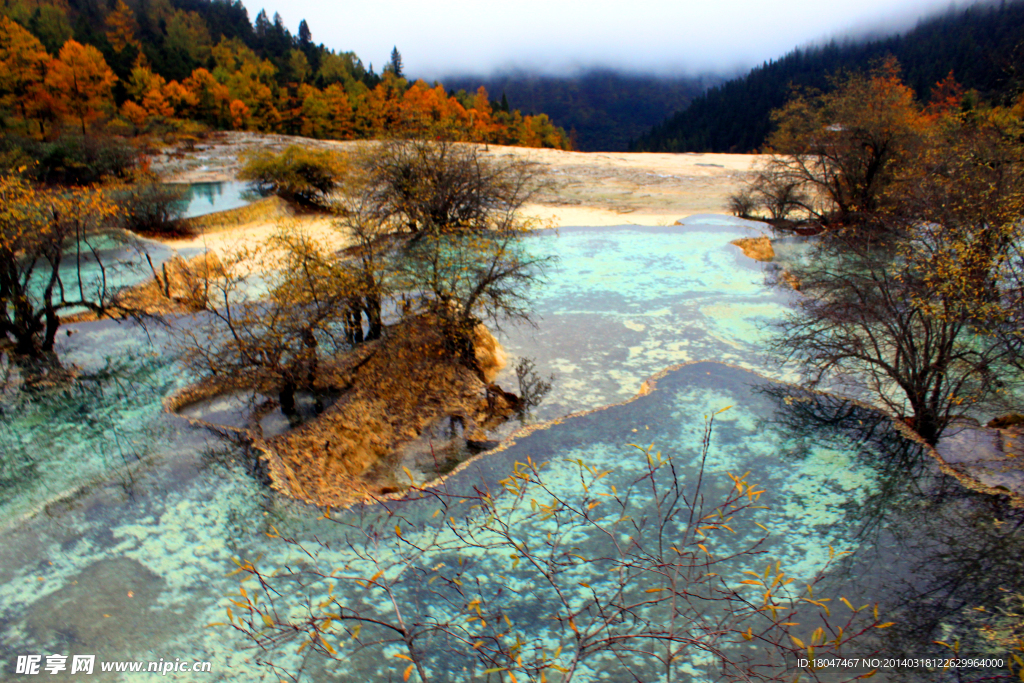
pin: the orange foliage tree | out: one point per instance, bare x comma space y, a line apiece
243, 91
46, 240
23, 61
81, 82
121, 27
846, 147
912, 296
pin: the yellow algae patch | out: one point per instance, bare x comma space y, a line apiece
757, 248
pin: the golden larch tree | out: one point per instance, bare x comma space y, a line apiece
80, 81
23, 61
121, 27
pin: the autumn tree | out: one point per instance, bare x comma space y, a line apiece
149, 91
483, 125
23, 62
253, 78
188, 34
372, 264
559, 570
48, 242
463, 279
471, 267
326, 113
121, 27
271, 345
947, 97
917, 321
212, 98
844, 150
251, 81
299, 174
80, 82
873, 326
462, 259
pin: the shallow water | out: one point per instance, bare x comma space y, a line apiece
623, 303
134, 564
204, 198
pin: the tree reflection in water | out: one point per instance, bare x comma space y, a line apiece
944, 562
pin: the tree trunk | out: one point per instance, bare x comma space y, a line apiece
50, 334
354, 324
372, 310
286, 397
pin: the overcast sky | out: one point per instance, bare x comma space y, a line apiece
439, 37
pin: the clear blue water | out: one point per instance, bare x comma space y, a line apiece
121, 522
124, 259
204, 198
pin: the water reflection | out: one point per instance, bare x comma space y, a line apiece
204, 198
944, 562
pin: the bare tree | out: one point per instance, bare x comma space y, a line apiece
542, 580
370, 261
464, 279
872, 320
780, 193
466, 263
453, 219
442, 187
272, 344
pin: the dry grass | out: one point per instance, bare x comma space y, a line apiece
390, 391
757, 248
178, 288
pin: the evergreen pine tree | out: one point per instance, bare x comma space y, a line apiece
395, 65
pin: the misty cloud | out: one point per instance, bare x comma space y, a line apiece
457, 36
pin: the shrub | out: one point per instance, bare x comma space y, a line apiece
437, 187
75, 160
742, 204
151, 207
779, 193
299, 174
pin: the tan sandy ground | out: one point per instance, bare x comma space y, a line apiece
586, 188
248, 236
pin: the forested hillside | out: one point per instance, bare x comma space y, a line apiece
604, 110
982, 45
157, 66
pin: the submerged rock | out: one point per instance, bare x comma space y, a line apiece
110, 605
1003, 421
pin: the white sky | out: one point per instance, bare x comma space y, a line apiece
439, 37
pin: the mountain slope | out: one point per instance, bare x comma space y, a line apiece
605, 109
981, 45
